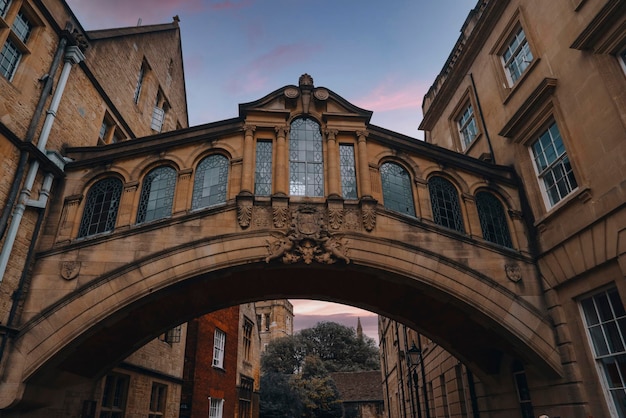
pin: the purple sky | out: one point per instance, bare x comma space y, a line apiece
380, 56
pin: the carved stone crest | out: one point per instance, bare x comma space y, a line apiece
244, 210
513, 272
70, 269
307, 241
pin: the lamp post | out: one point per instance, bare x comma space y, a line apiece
415, 358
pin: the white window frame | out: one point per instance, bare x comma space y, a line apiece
219, 344
158, 116
20, 31
466, 121
216, 407
602, 372
521, 52
551, 166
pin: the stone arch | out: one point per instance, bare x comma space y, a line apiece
405, 282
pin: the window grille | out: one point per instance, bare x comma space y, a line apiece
605, 319
158, 397
4, 7
21, 27
209, 185
101, 207
553, 165
348, 171
445, 204
517, 56
215, 407
158, 116
9, 59
306, 169
114, 396
263, 170
493, 220
397, 190
157, 194
468, 129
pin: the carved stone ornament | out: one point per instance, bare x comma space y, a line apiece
70, 269
279, 216
292, 92
321, 94
244, 211
307, 241
335, 218
513, 272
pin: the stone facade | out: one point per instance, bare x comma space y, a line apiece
275, 320
567, 86
72, 89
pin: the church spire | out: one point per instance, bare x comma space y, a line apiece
359, 328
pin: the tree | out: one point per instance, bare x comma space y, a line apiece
278, 398
317, 390
283, 355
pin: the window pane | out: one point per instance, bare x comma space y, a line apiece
157, 194
397, 190
210, 182
445, 204
101, 207
306, 176
22, 27
493, 221
263, 171
348, 171
9, 58
4, 6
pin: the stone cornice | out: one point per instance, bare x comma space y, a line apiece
600, 25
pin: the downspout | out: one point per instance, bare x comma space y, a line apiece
482, 118
48, 80
73, 55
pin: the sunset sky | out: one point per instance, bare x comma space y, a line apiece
380, 56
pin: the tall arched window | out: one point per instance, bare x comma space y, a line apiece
445, 204
101, 206
209, 184
397, 190
157, 194
493, 219
306, 165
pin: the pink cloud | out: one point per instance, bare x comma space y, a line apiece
393, 94
116, 13
253, 77
230, 4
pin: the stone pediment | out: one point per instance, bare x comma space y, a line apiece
305, 99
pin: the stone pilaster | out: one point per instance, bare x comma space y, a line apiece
364, 172
247, 175
183, 188
334, 175
281, 179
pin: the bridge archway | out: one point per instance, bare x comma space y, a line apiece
97, 325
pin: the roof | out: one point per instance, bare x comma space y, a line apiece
359, 386
132, 30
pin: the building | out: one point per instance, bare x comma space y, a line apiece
274, 319
222, 368
63, 86
540, 87
361, 393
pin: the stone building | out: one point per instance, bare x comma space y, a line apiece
361, 393
62, 86
274, 319
222, 372
540, 87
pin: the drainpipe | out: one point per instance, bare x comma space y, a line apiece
482, 118
48, 81
73, 55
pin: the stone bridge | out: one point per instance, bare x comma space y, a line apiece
297, 197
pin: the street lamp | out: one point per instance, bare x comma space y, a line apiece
415, 358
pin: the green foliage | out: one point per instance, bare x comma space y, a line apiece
307, 358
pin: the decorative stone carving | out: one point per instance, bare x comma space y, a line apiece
292, 92
335, 218
307, 241
368, 214
321, 94
513, 272
280, 215
244, 209
70, 269
261, 217
305, 80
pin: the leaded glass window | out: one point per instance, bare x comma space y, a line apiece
306, 165
397, 190
553, 166
348, 171
157, 195
444, 200
605, 319
263, 170
101, 206
493, 220
209, 185
517, 56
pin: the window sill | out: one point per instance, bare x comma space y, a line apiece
582, 193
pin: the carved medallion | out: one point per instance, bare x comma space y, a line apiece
321, 94
513, 272
70, 269
307, 220
292, 92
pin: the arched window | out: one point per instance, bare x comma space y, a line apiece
157, 194
397, 191
445, 204
493, 219
306, 166
101, 206
209, 184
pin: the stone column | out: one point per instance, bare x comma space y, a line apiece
70, 221
127, 207
281, 174
364, 168
182, 202
247, 175
334, 172
472, 222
